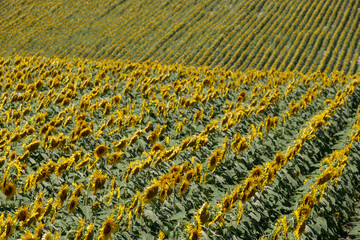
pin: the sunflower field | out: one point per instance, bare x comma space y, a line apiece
198, 119
94, 149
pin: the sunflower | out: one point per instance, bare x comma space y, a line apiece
41, 175
163, 194
326, 176
120, 145
85, 133
115, 158
63, 193
62, 166
9, 190
24, 156
227, 203
256, 172
84, 162
189, 175
48, 208
161, 235
108, 227
15, 138
78, 188
121, 213
212, 163
72, 204
153, 137
90, 232
195, 233
202, 215
156, 148
32, 147
98, 180
183, 188
28, 236
2, 162
22, 214
136, 170
9, 228
150, 193
101, 150
133, 139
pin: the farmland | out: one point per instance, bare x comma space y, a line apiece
179, 119
287, 35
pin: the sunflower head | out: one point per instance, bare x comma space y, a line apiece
9, 227
90, 232
156, 148
101, 150
202, 215
108, 227
115, 158
9, 190
183, 187
195, 233
85, 133
63, 193
32, 147
150, 193
212, 163
22, 214
98, 180
72, 204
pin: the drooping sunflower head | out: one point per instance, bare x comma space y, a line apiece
63, 193
150, 193
9, 190
72, 204
32, 147
108, 227
98, 180
183, 188
227, 203
212, 163
9, 228
90, 232
202, 215
78, 188
101, 150
156, 148
189, 175
115, 158
85, 133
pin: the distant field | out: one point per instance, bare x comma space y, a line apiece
292, 34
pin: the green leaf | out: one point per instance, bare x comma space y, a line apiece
178, 216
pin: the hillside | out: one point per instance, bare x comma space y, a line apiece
199, 119
292, 34
145, 149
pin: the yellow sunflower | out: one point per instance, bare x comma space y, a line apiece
22, 214
150, 193
90, 232
9, 228
101, 150
98, 180
72, 204
183, 188
9, 190
63, 193
108, 227
32, 147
